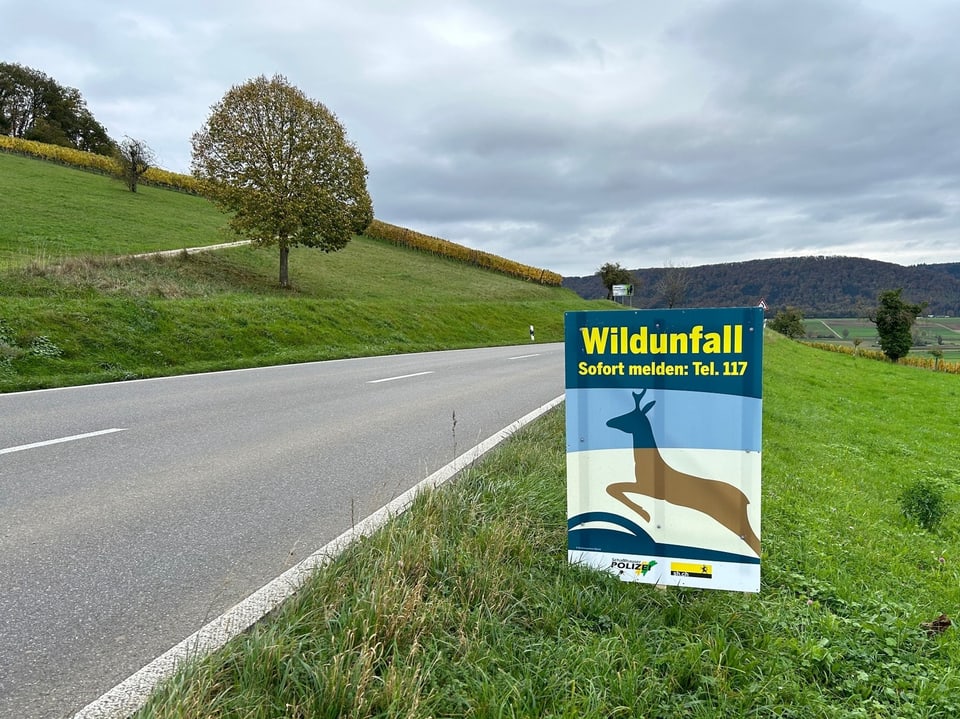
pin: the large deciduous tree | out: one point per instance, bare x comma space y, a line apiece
282, 165
894, 319
36, 107
611, 273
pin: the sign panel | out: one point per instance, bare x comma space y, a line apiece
663, 415
622, 290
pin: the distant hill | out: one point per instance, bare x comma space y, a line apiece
819, 286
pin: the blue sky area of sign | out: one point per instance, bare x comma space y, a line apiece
693, 420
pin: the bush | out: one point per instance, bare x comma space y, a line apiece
925, 502
788, 322
894, 319
43, 346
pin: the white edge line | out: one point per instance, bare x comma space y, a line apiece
535, 354
71, 438
403, 376
132, 693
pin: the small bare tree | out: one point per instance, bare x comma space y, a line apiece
135, 159
673, 285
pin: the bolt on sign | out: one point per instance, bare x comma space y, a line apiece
663, 421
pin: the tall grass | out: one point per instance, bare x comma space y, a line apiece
466, 606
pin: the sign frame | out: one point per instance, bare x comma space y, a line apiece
663, 424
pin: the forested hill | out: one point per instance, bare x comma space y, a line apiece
819, 286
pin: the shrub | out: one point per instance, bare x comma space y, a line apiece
925, 502
43, 346
788, 322
6, 333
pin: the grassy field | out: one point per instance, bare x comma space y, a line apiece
51, 212
937, 333
71, 313
467, 607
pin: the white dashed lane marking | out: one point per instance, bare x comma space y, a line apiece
403, 376
71, 438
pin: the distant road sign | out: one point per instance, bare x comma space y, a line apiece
623, 290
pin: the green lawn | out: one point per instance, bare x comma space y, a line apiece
51, 212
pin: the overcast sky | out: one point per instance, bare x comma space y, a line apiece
570, 133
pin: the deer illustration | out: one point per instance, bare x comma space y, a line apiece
655, 478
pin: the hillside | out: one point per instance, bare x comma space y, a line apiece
71, 312
819, 286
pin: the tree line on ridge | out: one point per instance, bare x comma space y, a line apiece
818, 286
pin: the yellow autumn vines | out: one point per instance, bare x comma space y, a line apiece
96, 163
434, 245
377, 229
933, 363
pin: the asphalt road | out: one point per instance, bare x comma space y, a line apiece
133, 513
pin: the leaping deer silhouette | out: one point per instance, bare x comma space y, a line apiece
655, 478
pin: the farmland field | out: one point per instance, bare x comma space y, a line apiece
930, 333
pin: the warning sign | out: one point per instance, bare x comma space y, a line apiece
664, 413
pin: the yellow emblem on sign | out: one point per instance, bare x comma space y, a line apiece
689, 569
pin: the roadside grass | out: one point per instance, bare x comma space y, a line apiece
72, 312
466, 606
88, 321
83, 341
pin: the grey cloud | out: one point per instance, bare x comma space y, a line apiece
542, 46
545, 47
878, 209
572, 133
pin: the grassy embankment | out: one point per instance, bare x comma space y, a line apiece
70, 314
466, 605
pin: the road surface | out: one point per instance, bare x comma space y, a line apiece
133, 513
